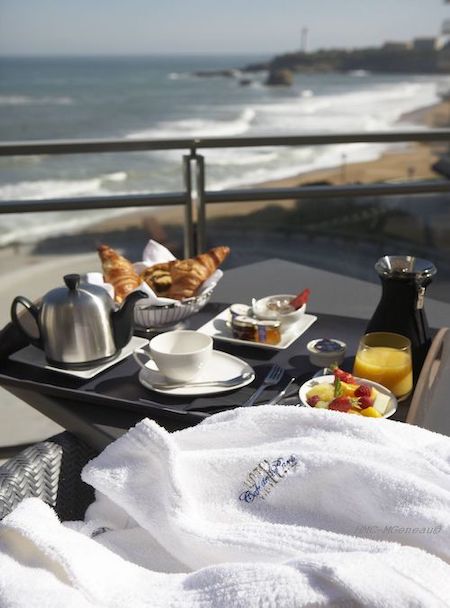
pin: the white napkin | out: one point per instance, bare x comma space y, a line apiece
96, 278
154, 253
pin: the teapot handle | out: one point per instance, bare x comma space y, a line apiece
34, 311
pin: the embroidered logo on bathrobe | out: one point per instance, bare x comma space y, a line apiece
264, 477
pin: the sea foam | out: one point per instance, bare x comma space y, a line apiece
198, 127
309, 107
24, 100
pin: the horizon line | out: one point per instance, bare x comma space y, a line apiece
143, 54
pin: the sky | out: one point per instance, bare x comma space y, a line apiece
127, 27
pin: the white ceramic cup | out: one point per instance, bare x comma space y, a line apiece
179, 355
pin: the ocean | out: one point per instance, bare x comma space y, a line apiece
161, 97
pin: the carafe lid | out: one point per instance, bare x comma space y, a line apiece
405, 267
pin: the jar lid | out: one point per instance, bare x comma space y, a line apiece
244, 321
405, 266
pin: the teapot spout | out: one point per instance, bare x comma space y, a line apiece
122, 319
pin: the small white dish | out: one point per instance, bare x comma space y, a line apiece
36, 357
262, 311
326, 358
391, 406
221, 366
219, 328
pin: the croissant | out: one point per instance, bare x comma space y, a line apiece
118, 271
180, 279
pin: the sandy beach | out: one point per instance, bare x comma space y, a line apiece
406, 162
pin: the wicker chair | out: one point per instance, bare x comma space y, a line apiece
49, 470
429, 405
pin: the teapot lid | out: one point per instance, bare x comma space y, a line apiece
78, 294
405, 267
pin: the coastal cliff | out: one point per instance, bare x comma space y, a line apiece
389, 58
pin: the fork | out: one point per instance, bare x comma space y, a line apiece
273, 377
282, 393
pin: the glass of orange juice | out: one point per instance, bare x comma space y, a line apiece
386, 358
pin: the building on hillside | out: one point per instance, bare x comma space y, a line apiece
397, 46
427, 44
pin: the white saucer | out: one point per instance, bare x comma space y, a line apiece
221, 366
35, 356
219, 328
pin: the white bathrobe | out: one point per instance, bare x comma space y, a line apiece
266, 506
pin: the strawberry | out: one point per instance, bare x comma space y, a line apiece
313, 400
363, 390
301, 299
340, 404
365, 401
343, 376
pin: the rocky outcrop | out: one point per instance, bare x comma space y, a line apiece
257, 67
283, 77
230, 73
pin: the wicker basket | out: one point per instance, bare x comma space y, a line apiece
50, 470
158, 317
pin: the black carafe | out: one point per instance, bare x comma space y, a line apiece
401, 310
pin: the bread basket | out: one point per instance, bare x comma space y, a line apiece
155, 311
151, 316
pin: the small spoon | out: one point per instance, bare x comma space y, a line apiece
230, 382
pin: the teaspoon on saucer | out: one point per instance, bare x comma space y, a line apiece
230, 382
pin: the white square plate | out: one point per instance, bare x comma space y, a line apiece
219, 329
34, 356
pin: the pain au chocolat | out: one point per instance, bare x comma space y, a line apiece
181, 279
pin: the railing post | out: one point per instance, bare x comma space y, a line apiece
201, 205
195, 210
188, 208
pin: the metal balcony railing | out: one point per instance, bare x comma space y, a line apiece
195, 197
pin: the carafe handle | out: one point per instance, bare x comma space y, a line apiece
420, 298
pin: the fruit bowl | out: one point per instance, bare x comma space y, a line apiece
385, 402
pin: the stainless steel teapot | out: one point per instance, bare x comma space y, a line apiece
79, 325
